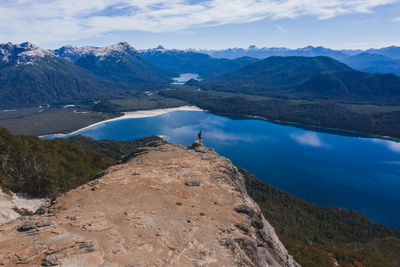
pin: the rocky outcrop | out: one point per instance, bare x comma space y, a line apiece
12, 205
167, 205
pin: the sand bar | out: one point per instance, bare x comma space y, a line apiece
132, 115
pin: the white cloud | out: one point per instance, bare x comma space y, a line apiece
280, 28
396, 19
365, 21
61, 20
308, 138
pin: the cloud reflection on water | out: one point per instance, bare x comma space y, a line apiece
308, 138
391, 145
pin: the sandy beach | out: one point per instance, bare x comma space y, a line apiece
132, 115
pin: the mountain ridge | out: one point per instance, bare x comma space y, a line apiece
263, 52
119, 63
24, 53
71, 52
308, 78
348, 56
30, 75
52, 80
191, 61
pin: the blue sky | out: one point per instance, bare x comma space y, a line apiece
213, 24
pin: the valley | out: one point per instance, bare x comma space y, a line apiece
64, 119
322, 132
256, 133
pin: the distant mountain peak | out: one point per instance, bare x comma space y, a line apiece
74, 53
121, 47
24, 53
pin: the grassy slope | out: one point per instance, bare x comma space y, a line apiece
33, 121
49, 121
150, 102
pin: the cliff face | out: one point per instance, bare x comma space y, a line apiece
167, 205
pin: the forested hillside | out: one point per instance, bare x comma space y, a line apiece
322, 236
46, 167
309, 78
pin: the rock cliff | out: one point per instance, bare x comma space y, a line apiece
167, 205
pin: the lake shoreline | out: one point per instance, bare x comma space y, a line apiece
343, 132
157, 112
262, 147
129, 115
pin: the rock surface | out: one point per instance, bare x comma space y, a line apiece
151, 218
10, 203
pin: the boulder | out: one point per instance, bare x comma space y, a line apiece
50, 260
26, 226
193, 183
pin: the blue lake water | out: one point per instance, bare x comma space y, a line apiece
328, 169
184, 77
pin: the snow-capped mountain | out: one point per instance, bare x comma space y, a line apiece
30, 75
119, 62
264, 52
24, 53
75, 53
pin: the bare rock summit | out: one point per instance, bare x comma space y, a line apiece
151, 218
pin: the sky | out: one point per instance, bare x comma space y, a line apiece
209, 24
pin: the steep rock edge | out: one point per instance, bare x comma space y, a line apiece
146, 212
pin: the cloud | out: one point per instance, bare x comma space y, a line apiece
308, 138
61, 20
365, 21
396, 19
280, 28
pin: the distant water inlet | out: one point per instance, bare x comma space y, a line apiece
186, 77
325, 168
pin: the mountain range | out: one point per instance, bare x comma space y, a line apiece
373, 63
119, 63
309, 78
383, 60
188, 61
30, 75
308, 51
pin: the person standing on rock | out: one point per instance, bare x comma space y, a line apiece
199, 135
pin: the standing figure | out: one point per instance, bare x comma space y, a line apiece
200, 136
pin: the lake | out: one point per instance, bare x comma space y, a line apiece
324, 168
185, 77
